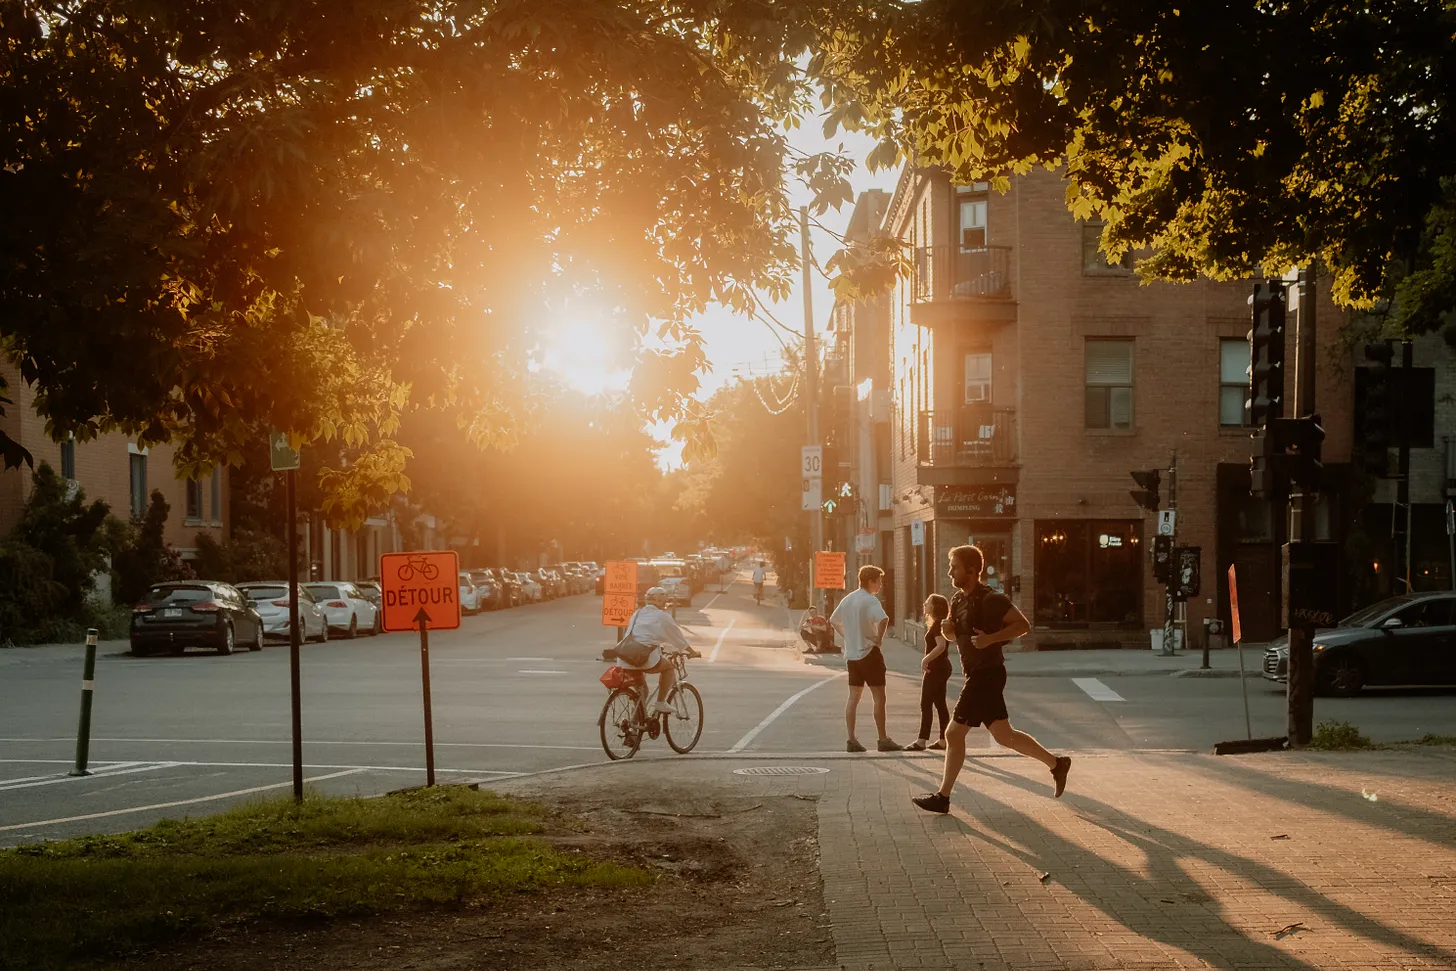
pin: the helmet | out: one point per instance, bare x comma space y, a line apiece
656, 592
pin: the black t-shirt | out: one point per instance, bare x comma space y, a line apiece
932, 635
981, 611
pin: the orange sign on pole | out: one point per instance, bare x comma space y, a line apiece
1234, 603
420, 588
619, 593
828, 571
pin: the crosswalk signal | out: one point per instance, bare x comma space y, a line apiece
1296, 444
1147, 496
1266, 353
1376, 423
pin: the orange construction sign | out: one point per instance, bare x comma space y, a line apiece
420, 588
619, 593
1234, 603
828, 571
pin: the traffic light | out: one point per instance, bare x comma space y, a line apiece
1376, 423
1296, 444
1147, 496
1162, 558
1266, 353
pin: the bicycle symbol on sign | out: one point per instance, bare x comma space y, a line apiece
420, 565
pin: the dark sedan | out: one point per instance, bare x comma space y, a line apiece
1406, 640
198, 613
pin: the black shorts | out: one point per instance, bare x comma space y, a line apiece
868, 670
982, 700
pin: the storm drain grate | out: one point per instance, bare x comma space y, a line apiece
782, 770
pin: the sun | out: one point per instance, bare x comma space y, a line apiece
580, 352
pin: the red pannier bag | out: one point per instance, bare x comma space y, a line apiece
615, 677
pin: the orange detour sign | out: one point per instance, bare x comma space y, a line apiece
619, 593
420, 588
1234, 604
828, 571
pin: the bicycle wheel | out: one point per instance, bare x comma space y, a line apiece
685, 724
621, 725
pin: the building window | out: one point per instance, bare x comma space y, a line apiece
971, 206
138, 486
1094, 261
68, 459
978, 378
1109, 384
1233, 383
217, 497
194, 500
1088, 571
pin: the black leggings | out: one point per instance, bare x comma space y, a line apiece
932, 696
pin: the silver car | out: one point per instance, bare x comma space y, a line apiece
270, 598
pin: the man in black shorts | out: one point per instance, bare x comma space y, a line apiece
981, 621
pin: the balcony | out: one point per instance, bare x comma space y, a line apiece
953, 273
974, 437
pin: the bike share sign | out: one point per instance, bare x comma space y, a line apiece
420, 588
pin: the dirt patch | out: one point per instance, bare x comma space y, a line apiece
738, 887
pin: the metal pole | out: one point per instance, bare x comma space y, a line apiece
1244, 686
1299, 693
293, 639
811, 389
1173, 560
429, 720
88, 683
1402, 484
1451, 539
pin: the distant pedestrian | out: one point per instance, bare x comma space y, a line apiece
935, 674
981, 621
861, 620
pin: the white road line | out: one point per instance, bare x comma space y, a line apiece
169, 805
1096, 690
100, 773
540, 671
284, 765
284, 741
753, 733
528, 659
731, 580
719, 643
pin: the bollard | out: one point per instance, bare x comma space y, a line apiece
1206, 638
88, 682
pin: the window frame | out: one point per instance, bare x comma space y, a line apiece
1225, 385
1094, 261
192, 511
1108, 388
137, 484
68, 459
986, 382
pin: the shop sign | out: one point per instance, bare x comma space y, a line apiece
976, 502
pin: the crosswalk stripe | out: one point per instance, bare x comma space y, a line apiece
1096, 690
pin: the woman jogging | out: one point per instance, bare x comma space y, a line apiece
935, 674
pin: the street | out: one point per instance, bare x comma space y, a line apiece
516, 693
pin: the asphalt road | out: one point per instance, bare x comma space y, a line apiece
516, 692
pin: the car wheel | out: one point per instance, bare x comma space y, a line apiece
257, 644
226, 647
138, 651
324, 636
353, 627
378, 622
1342, 676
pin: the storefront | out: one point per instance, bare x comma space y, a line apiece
983, 516
1089, 574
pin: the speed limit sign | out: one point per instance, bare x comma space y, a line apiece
812, 461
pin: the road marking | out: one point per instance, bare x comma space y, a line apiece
719, 643
732, 579
126, 768
756, 729
169, 805
540, 671
1096, 690
284, 741
528, 659
274, 765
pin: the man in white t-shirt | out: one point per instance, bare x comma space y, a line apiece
861, 620
759, 575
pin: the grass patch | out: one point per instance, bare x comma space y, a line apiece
108, 896
1333, 736
1430, 739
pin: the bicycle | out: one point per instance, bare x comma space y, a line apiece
426, 569
624, 719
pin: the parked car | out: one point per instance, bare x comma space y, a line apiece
374, 593
469, 594
344, 607
512, 595
531, 591
1405, 640
672, 576
270, 599
488, 589
553, 582
197, 613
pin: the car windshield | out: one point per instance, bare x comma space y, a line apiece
670, 570
1367, 616
266, 593
323, 591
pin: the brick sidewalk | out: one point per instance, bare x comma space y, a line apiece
1153, 860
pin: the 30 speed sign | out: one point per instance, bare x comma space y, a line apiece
812, 461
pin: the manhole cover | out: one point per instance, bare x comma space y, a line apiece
782, 770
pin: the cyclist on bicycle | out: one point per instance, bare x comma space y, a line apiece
652, 624
758, 577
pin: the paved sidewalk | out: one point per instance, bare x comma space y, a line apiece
1151, 860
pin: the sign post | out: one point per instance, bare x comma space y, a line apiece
1451, 538
283, 457
1239, 648
422, 592
619, 595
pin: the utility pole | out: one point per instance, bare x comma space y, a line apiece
1299, 694
1171, 581
811, 389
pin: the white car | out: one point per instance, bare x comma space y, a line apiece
271, 601
531, 588
344, 607
469, 595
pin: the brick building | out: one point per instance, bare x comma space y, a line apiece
113, 468
1030, 377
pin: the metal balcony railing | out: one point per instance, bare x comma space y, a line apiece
973, 435
953, 273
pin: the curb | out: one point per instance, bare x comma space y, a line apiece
1214, 673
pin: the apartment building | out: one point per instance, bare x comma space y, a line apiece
1030, 377
114, 468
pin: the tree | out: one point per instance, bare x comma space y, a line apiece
321, 216
146, 558
1230, 139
